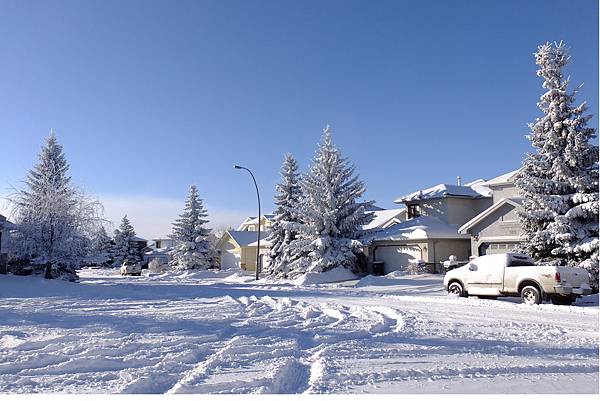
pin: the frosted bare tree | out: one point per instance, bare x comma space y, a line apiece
55, 220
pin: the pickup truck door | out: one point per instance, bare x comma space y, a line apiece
485, 278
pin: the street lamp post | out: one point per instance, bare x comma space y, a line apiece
258, 232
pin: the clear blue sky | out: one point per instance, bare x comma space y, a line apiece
148, 97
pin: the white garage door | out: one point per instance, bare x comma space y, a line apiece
397, 257
229, 260
496, 247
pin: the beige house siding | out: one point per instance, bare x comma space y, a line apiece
461, 210
500, 226
248, 257
433, 207
441, 249
507, 190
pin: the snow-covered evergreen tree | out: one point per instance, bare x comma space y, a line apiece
101, 247
286, 201
193, 247
329, 212
124, 249
559, 181
55, 221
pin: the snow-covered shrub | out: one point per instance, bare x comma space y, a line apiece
559, 181
156, 266
416, 266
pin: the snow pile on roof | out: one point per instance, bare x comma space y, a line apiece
380, 217
502, 178
422, 227
254, 220
245, 238
443, 190
331, 276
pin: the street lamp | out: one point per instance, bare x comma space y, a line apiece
258, 232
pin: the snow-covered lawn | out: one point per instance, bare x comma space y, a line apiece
224, 333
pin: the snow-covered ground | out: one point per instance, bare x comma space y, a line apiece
224, 333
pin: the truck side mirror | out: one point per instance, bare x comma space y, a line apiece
472, 268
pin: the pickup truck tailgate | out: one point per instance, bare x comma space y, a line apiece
573, 276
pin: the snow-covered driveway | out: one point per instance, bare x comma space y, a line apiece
223, 333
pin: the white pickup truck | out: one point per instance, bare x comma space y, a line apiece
513, 274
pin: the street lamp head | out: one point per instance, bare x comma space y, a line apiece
238, 167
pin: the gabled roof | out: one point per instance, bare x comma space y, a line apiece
382, 217
503, 179
245, 238
138, 239
422, 227
475, 191
516, 202
254, 220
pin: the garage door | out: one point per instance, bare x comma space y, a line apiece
397, 257
491, 248
229, 260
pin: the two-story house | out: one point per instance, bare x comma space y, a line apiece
237, 248
497, 228
430, 233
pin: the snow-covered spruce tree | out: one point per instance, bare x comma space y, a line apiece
329, 214
193, 247
282, 234
55, 221
101, 247
124, 249
559, 181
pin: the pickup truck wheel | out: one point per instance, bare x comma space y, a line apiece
531, 295
456, 289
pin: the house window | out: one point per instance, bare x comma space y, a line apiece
413, 211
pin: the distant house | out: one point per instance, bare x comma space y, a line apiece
429, 232
251, 223
5, 228
497, 228
237, 249
162, 243
158, 248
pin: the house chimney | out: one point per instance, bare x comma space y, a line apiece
458, 180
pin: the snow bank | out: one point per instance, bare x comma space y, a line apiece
388, 279
331, 276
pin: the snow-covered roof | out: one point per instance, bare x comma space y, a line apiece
138, 239
6, 224
502, 179
383, 216
516, 202
245, 238
422, 227
254, 220
444, 190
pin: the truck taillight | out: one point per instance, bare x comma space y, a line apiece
557, 277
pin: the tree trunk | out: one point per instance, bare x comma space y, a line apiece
3, 263
48, 270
